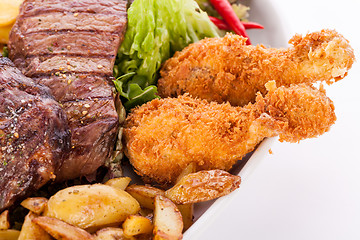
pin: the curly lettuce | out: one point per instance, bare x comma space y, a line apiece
156, 30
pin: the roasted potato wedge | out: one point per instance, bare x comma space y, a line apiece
62, 230
89, 206
9, 9
187, 213
35, 204
187, 210
144, 194
120, 183
146, 212
4, 220
9, 234
4, 34
191, 168
168, 222
31, 230
203, 186
110, 233
135, 225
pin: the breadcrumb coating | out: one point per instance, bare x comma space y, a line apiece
226, 69
165, 135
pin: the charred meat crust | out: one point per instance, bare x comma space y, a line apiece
36, 7
34, 135
70, 46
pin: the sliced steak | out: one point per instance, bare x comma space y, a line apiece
70, 46
34, 135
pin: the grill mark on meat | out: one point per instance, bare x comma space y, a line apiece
90, 6
98, 31
81, 113
78, 9
71, 48
34, 135
116, 4
68, 21
92, 43
49, 55
70, 87
9, 73
56, 71
68, 64
50, 10
89, 99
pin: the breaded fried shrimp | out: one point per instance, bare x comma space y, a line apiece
163, 136
226, 69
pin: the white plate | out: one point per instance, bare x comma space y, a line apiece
206, 212
263, 12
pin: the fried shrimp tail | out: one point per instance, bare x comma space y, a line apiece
164, 136
226, 69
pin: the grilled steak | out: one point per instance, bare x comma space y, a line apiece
34, 135
70, 46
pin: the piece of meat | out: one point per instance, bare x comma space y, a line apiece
70, 46
225, 69
164, 136
34, 135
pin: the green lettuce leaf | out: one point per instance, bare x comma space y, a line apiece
5, 52
156, 30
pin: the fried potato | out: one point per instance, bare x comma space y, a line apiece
9, 234
187, 213
62, 230
4, 220
110, 233
8, 12
191, 168
89, 206
144, 194
168, 222
187, 210
120, 183
203, 186
9, 9
31, 230
146, 212
35, 204
135, 225
4, 34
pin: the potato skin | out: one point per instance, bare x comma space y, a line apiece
168, 223
61, 230
4, 220
144, 194
31, 230
135, 225
88, 206
9, 234
203, 186
35, 204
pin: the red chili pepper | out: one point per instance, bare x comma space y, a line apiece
225, 10
252, 25
221, 24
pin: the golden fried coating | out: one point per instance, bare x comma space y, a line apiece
163, 136
225, 69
